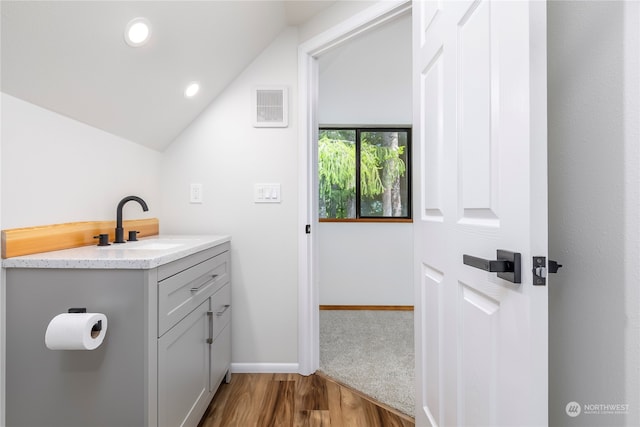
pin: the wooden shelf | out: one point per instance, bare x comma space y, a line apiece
33, 240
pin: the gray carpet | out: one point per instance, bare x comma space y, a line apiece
371, 351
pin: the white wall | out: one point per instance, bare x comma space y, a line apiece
223, 151
594, 209
367, 81
57, 170
365, 264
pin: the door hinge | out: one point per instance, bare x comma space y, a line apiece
540, 270
307, 228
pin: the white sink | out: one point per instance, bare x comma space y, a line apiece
155, 246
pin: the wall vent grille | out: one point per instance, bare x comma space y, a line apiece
270, 107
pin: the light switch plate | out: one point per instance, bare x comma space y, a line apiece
195, 193
266, 193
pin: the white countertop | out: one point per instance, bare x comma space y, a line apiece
148, 252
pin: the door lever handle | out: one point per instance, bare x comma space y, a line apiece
498, 266
508, 265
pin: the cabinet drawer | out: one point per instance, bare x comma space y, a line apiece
179, 294
221, 307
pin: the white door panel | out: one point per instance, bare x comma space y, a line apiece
431, 300
480, 108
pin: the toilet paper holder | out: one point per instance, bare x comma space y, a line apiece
95, 328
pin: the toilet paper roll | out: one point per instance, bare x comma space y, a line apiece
76, 331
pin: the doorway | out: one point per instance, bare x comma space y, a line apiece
365, 250
309, 268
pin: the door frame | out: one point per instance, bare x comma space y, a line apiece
308, 54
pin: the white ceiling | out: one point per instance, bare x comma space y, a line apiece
70, 57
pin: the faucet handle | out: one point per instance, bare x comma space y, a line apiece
133, 236
103, 239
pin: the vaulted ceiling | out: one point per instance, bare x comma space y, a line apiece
71, 57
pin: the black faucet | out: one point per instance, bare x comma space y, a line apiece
119, 229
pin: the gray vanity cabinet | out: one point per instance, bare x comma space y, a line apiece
193, 355
167, 347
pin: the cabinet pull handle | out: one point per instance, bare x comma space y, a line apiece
210, 316
201, 286
220, 313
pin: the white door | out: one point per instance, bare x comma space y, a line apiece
480, 149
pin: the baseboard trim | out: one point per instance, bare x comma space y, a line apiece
265, 368
368, 307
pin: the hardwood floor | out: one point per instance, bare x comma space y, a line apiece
292, 400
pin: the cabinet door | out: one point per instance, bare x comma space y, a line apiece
183, 370
220, 357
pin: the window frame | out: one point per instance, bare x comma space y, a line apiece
358, 131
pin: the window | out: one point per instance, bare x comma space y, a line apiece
364, 174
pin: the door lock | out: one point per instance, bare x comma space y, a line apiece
540, 270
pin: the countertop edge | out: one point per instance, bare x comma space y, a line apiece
118, 257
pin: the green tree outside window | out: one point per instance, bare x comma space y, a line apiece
364, 173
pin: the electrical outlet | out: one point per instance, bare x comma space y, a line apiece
195, 193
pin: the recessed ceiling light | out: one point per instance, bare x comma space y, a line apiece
192, 89
137, 32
